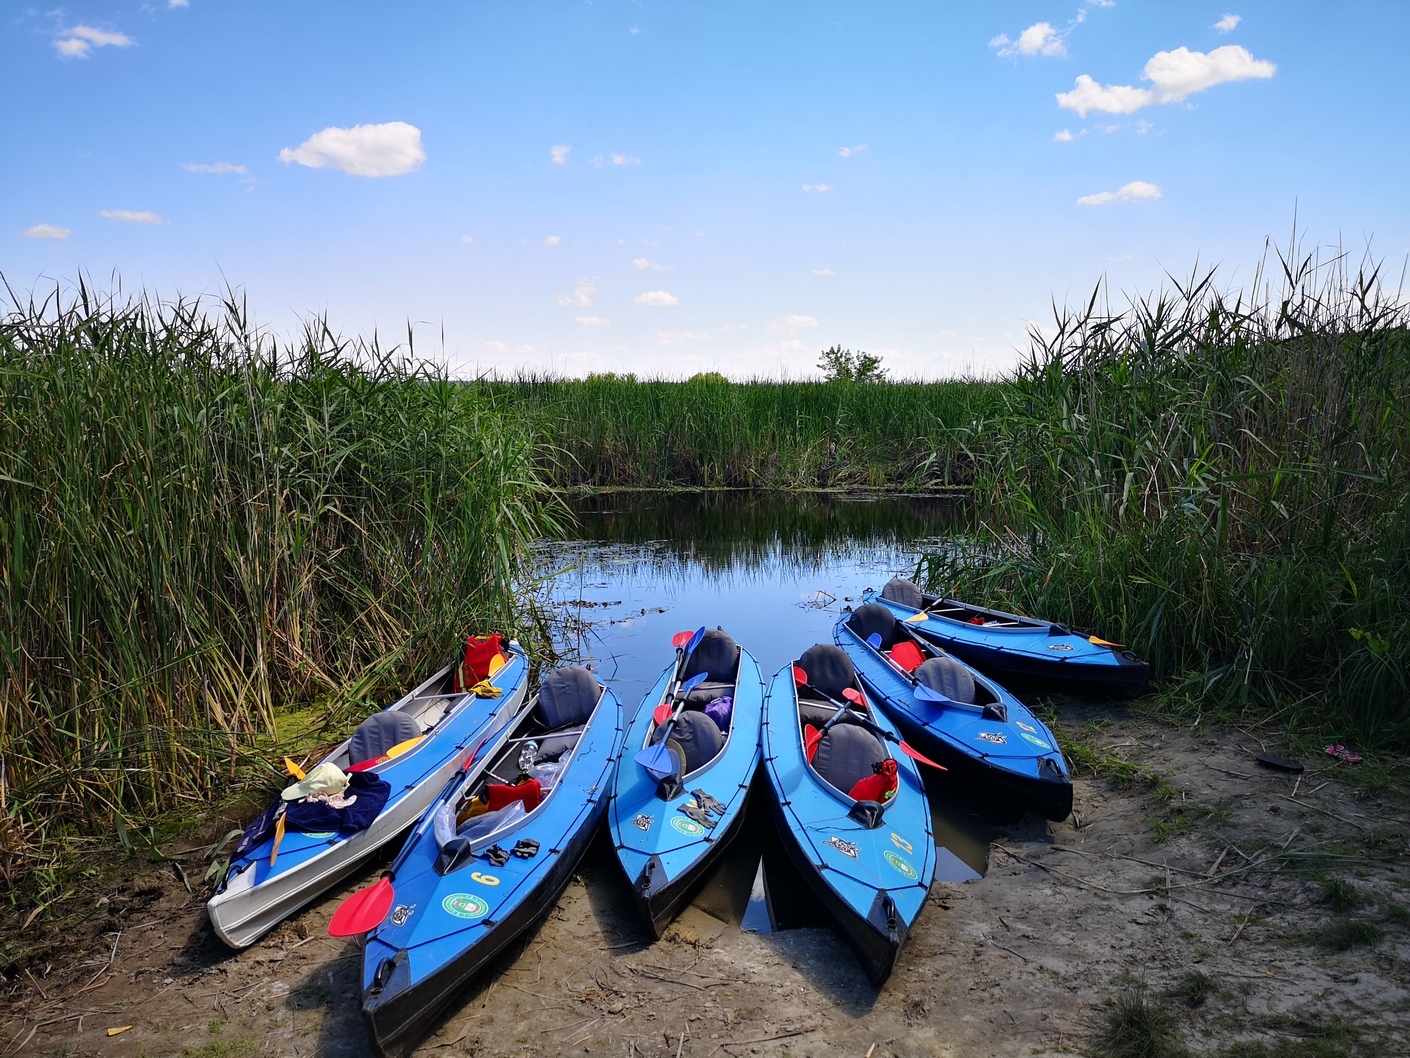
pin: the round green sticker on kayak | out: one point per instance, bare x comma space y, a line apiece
899, 862
1035, 740
465, 905
689, 827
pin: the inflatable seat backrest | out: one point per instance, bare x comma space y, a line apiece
717, 656
949, 677
568, 695
829, 669
699, 738
903, 593
379, 733
846, 755
875, 619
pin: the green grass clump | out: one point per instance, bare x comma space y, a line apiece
1222, 484
1347, 933
199, 525
1139, 1026
1339, 893
1194, 989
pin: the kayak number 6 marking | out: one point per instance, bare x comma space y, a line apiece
483, 879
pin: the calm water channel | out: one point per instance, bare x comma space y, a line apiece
775, 571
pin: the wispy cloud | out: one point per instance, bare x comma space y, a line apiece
1227, 23
823, 272
672, 339
592, 321
658, 298
46, 231
583, 291
178, 3
1041, 38
559, 154
133, 216
625, 159
553, 240
467, 240
390, 149
79, 42
213, 167
1174, 76
1135, 191
848, 152
1063, 136
790, 324
821, 189
649, 266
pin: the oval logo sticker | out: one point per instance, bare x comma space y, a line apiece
1036, 740
689, 827
465, 905
1027, 727
899, 862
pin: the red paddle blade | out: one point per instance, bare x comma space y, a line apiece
662, 713
811, 737
362, 911
799, 676
680, 639
915, 754
855, 696
907, 655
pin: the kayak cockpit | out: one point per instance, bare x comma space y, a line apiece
701, 732
901, 592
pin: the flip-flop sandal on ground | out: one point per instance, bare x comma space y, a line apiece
1340, 752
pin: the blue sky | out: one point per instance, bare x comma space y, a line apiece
670, 187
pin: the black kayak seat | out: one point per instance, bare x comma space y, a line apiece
567, 696
903, 593
699, 738
829, 669
819, 713
846, 755
717, 656
875, 619
949, 677
379, 733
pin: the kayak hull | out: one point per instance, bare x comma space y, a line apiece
1014, 761
874, 880
665, 853
255, 896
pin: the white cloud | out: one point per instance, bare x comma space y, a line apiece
823, 272
848, 152
790, 324
1174, 76
658, 298
553, 240
1041, 38
592, 321
819, 188
625, 159
559, 154
1132, 192
583, 291
214, 167
46, 231
1227, 23
948, 334
671, 339
649, 266
1063, 136
144, 216
178, 3
78, 42
467, 240
390, 149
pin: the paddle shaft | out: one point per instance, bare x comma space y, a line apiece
873, 727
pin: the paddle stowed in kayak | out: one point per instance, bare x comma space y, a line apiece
989, 740
490, 857
1016, 649
669, 824
850, 807
400, 757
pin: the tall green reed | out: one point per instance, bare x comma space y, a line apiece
1219, 479
199, 525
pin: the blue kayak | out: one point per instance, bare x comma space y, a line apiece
870, 862
985, 736
668, 831
491, 855
255, 893
1017, 649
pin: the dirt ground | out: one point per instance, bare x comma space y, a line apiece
1252, 912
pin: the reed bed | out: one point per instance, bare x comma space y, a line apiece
201, 526
708, 432
1219, 480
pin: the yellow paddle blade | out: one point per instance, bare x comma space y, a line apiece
1106, 643
278, 837
402, 747
496, 663
293, 769
922, 616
